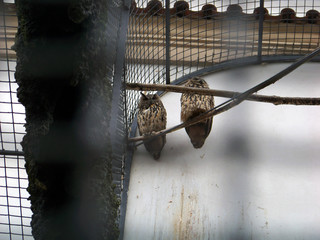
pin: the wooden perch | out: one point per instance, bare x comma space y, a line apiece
220, 93
235, 100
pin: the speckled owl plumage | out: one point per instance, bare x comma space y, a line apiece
152, 117
192, 105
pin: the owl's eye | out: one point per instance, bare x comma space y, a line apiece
154, 96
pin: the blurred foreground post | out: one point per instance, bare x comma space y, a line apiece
61, 72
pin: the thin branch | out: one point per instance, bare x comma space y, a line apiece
276, 100
237, 99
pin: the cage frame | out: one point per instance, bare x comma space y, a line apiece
124, 152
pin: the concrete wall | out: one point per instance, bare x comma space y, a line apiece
256, 177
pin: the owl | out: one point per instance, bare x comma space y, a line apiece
191, 106
152, 117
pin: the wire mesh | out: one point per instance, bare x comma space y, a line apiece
296, 32
204, 34
198, 39
15, 213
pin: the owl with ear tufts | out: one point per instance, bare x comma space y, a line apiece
152, 117
193, 105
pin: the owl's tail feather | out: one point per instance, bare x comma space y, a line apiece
155, 146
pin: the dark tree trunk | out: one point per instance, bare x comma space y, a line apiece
61, 72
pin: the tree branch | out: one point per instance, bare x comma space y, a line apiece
235, 100
276, 100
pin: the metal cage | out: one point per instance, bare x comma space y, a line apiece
166, 42
171, 41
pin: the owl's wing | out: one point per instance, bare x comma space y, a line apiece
141, 123
194, 103
152, 119
160, 117
208, 126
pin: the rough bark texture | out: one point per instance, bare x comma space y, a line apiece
61, 72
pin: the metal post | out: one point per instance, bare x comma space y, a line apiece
118, 68
167, 41
261, 18
116, 98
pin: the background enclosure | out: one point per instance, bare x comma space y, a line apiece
155, 42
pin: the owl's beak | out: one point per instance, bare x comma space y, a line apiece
143, 95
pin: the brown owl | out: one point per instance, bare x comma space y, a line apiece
191, 106
152, 117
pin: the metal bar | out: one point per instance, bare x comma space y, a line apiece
218, 67
118, 87
127, 169
7, 196
118, 69
261, 18
247, 61
285, 58
167, 41
11, 153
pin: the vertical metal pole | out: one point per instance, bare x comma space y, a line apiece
261, 18
167, 41
116, 96
118, 68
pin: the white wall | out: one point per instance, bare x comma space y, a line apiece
256, 177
